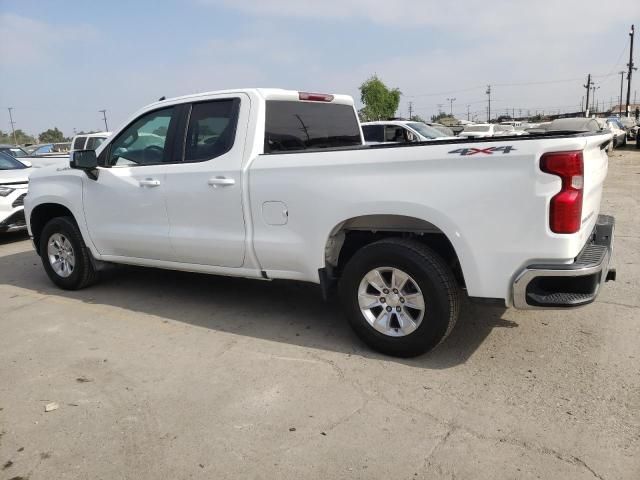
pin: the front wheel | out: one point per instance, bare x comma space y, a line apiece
64, 255
399, 297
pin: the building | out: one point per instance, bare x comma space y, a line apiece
632, 109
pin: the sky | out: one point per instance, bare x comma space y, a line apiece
63, 61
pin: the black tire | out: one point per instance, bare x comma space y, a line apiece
83, 273
435, 280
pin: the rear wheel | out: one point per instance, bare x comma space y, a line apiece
399, 297
65, 256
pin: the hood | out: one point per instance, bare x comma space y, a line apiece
19, 175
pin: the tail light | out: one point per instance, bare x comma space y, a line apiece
315, 97
565, 211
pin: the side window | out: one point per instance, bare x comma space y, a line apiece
373, 133
394, 134
143, 142
212, 129
78, 143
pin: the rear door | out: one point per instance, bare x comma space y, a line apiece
204, 190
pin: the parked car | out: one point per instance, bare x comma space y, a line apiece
443, 129
276, 184
575, 124
630, 125
399, 131
479, 130
619, 133
13, 150
53, 149
88, 141
14, 181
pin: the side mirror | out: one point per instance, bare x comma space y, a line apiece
85, 160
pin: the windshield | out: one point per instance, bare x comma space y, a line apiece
15, 151
476, 128
7, 162
425, 130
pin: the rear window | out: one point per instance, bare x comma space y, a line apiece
95, 142
78, 143
292, 126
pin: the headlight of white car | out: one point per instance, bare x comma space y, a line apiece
4, 191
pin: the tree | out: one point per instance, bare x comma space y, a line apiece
21, 137
380, 102
440, 117
53, 135
417, 118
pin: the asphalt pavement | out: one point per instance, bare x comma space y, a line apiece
158, 374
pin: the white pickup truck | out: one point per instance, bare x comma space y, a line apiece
275, 184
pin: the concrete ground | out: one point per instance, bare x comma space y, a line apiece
171, 375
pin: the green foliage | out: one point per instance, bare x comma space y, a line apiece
442, 117
380, 102
21, 137
53, 135
417, 118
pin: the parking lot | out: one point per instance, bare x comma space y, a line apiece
161, 374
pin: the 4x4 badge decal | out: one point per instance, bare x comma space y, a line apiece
485, 151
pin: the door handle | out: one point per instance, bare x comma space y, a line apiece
149, 182
221, 182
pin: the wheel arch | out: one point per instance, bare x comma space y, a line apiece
350, 235
42, 214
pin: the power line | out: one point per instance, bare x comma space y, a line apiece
514, 84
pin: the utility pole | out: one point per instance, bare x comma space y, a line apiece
104, 117
588, 87
13, 126
621, 86
489, 105
631, 68
594, 102
451, 100
410, 110
468, 112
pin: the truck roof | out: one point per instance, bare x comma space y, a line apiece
390, 122
264, 93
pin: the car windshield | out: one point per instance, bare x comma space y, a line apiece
476, 128
7, 162
425, 130
15, 151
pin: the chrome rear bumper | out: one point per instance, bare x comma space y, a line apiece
569, 285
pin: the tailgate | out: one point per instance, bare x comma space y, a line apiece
596, 163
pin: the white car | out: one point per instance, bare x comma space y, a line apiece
400, 131
88, 141
14, 182
479, 130
277, 184
619, 133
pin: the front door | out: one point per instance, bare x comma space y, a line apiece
125, 207
204, 191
